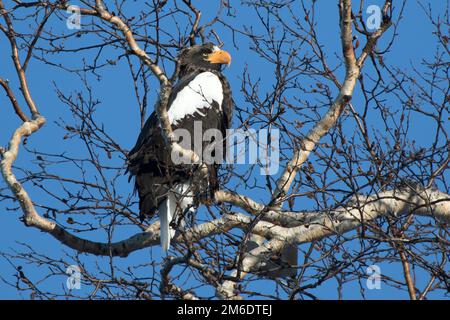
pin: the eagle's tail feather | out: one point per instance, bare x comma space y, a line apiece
178, 200
166, 214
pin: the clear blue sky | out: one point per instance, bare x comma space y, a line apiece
118, 114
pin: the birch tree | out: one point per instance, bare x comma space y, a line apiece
354, 188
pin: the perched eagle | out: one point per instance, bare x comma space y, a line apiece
201, 95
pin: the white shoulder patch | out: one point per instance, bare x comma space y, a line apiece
198, 94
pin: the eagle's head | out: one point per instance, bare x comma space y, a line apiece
206, 56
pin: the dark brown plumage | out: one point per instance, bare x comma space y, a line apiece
195, 97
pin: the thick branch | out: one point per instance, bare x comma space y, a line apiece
353, 68
331, 117
428, 202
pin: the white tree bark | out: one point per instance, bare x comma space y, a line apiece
428, 203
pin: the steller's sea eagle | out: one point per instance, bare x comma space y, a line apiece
202, 94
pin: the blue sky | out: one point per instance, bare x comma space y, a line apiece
118, 114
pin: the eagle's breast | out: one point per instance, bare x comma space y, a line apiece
199, 94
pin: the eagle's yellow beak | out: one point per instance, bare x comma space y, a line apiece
219, 56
